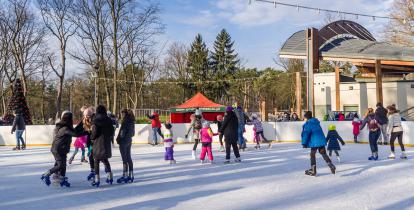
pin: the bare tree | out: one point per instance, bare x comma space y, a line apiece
56, 15
400, 29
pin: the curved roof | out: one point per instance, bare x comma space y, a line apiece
357, 43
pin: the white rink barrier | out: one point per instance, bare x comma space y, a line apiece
41, 135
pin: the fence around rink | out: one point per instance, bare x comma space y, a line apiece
41, 135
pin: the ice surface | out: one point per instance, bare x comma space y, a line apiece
266, 179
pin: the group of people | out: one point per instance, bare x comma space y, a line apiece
95, 133
385, 122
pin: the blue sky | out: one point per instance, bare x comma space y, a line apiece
258, 29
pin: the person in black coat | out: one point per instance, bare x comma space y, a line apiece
381, 115
62, 138
230, 127
19, 126
124, 140
101, 135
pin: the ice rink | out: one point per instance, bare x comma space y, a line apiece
266, 179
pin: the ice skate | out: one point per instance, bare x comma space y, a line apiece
64, 182
257, 147
221, 148
201, 162
130, 177
332, 167
391, 156
211, 161
91, 176
96, 181
16, 148
122, 179
83, 160
403, 155
311, 171
23, 146
270, 146
338, 159
46, 178
70, 160
109, 178
227, 162
173, 162
194, 154
237, 160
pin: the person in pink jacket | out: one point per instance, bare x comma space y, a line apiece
79, 145
356, 123
206, 135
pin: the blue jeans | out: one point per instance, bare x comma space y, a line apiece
19, 137
76, 152
240, 137
373, 138
156, 131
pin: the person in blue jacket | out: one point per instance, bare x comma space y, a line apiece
314, 138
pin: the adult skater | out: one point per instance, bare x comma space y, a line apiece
374, 132
102, 132
196, 125
396, 131
124, 139
62, 138
314, 138
242, 119
19, 126
156, 127
230, 129
382, 119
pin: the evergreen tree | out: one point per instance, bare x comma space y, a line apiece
224, 62
18, 104
197, 64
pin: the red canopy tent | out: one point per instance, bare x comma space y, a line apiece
210, 110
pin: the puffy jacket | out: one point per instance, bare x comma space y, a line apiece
18, 123
126, 132
394, 123
381, 115
332, 139
229, 127
155, 120
101, 136
62, 138
312, 134
257, 125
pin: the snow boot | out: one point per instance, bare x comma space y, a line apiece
391, 156
237, 160
403, 155
311, 171
96, 181
64, 182
46, 178
71, 160
332, 167
91, 176
109, 178
194, 154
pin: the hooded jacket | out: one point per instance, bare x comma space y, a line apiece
127, 131
62, 138
155, 120
101, 136
229, 127
312, 134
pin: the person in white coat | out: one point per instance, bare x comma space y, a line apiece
395, 131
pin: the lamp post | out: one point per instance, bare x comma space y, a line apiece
94, 75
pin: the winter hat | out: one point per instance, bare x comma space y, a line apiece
197, 112
331, 127
66, 112
229, 109
254, 116
206, 124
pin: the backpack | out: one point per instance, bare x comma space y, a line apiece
197, 124
373, 124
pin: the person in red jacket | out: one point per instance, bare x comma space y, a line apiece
156, 127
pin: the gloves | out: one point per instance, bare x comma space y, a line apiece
343, 143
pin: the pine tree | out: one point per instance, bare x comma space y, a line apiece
17, 104
224, 62
197, 64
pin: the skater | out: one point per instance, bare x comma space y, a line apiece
314, 138
374, 132
242, 118
395, 130
124, 140
88, 116
79, 145
156, 127
332, 139
196, 125
62, 138
102, 132
356, 123
19, 126
114, 123
219, 121
169, 144
206, 135
258, 131
230, 129
382, 119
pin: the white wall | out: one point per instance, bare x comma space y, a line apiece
278, 131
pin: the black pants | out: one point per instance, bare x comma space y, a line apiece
261, 133
196, 141
336, 152
106, 164
60, 165
91, 161
322, 151
373, 140
230, 144
395, 135
125, 150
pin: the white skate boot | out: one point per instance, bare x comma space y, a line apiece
194, 154
338, 159
391, 156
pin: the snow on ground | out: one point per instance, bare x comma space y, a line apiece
266, 179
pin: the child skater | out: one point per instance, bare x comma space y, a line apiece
62, 138
79, 145
332, 138
169, 144
374, 132
219, 122
258, 131
206, 135
313, 137
356, 123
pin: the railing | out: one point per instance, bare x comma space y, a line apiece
408, 114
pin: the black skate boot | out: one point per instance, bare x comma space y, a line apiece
64, 182
311, 171
91, 176
332, 167
96, 181
23, 146
16, 148
83, 160
109, 178
131, 176
46, 178
71, 160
